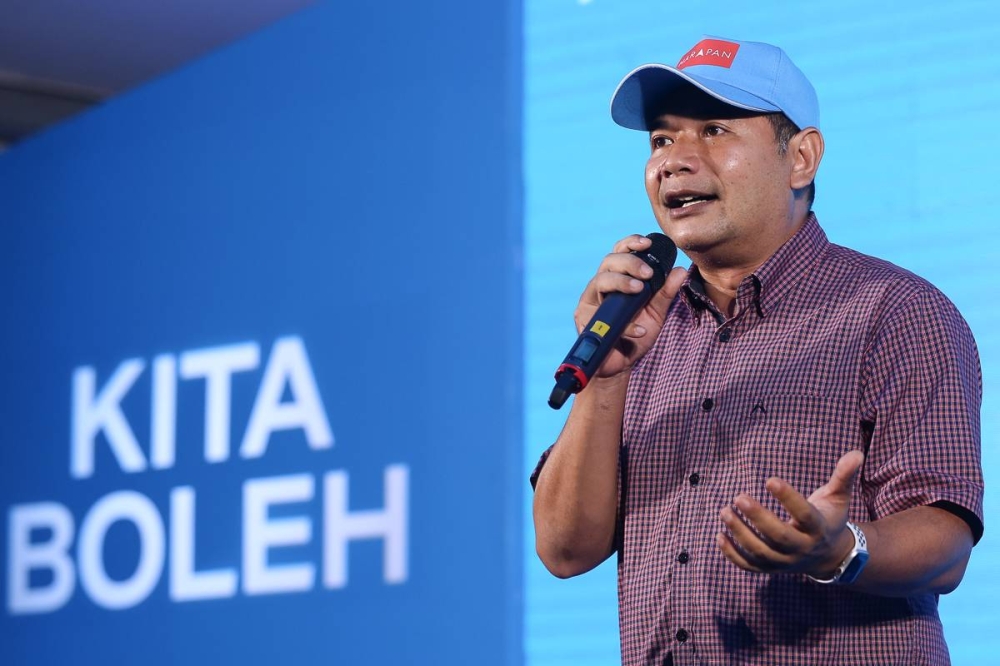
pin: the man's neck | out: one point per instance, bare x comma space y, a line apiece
721, 285
722, 279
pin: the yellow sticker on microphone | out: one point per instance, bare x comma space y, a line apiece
600, 328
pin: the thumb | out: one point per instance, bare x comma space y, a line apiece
662, 299
842, 479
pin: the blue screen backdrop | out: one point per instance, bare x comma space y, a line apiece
244, 420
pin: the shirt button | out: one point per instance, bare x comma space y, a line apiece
681, 635
694, 479
707, 404
683, 557
725, 334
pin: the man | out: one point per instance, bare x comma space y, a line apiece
784, 448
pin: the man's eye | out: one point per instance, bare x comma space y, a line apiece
659, 141
714, 130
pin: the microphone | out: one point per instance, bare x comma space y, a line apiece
615, 313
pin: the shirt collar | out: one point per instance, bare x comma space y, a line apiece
766, 286
776, 276
693, 290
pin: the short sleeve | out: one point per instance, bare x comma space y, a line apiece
533, 479
921, 393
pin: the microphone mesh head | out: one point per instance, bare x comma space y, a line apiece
660, 255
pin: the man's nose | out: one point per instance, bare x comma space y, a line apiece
680, 157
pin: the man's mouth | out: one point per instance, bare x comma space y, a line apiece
686, 200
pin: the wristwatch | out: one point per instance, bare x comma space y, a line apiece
851, 567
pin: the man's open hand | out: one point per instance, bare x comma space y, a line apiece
815, 539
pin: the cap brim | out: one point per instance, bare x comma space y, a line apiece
651, 84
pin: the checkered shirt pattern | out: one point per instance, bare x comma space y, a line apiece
830, 351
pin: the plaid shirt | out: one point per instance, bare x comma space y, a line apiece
830, 351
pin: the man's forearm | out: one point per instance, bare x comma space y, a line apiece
921, 550
576, 496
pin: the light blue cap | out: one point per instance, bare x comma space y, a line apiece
748, 75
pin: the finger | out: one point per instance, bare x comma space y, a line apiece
733, 554
675, 278
804, 514
608, 283
755, 550
635, 331
632, 242
780, 535
661, 300
846, 471
601, 285
629, 264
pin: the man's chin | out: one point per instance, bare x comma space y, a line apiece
695, 243
706, 252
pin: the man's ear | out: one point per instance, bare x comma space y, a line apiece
806, 149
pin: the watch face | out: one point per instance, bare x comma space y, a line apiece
854, 567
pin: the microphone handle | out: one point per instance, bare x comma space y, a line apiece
596, 341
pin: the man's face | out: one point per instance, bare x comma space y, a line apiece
717, 183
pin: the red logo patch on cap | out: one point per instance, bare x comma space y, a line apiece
710, 52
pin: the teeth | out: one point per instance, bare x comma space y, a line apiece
687, 200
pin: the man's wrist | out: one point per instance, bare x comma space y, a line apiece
849, 567
845, 543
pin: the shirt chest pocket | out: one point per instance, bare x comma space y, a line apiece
798, 437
